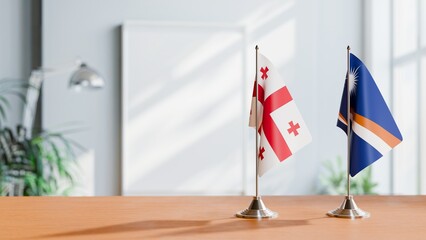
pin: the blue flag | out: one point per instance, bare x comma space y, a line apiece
373, 129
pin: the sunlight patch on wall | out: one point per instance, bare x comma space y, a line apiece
405, 104
283, 36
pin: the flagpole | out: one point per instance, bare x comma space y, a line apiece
257, 208
348, 120
348, 208
257, 125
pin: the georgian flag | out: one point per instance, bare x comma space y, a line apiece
280, 124
373, 129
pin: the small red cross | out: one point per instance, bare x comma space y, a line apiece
293, 128
262, 150
264, 71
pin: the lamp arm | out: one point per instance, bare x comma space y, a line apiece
47, 72
83, 76
33, 93
30, 107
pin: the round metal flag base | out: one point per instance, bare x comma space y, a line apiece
257, 209
348, 209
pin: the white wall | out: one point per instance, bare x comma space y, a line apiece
306, 39
394, 38
15, 47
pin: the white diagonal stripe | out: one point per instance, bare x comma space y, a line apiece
342, 120
371, 138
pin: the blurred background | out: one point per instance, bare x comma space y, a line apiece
172, 118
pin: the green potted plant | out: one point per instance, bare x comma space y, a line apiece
32, 166
334, 176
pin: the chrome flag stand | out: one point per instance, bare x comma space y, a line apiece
257, 208
348, 209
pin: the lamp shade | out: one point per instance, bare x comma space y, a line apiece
86, 77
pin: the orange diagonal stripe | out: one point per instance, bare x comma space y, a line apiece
390, 139
343, 119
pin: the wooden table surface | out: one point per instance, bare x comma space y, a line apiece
300, 217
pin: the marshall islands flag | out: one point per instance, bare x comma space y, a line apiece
373, 129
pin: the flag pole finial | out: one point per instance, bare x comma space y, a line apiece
348, 48
257, 47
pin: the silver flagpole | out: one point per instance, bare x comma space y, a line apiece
257, 208
257, 126
348, 120
348, 209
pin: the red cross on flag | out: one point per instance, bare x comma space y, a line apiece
280, 124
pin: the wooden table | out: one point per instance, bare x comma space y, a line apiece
300, 217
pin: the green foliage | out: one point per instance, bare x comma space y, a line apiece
333, 181
40, 165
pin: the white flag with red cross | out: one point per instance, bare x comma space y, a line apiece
280, 124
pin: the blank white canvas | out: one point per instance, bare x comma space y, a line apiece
183, 109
